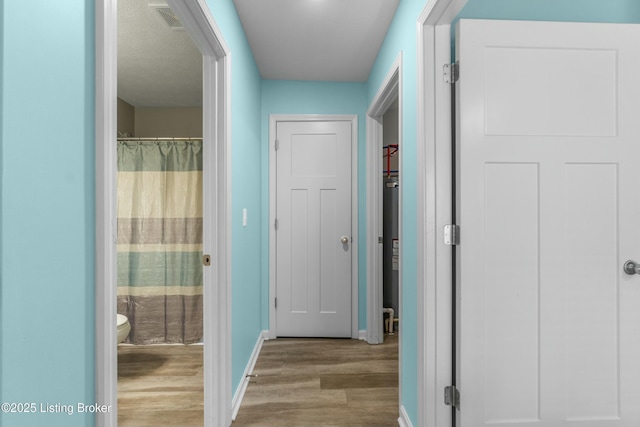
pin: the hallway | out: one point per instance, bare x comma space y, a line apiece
323, 382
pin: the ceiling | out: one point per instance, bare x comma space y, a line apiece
324, 40
333, 40
157, 66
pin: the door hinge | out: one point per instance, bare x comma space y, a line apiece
275, 224
276, 303
451, 73
452, 396
451, 234
277, 145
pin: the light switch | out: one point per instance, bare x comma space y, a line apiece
244, 217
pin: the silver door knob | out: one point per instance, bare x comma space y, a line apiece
631, 268
344, 240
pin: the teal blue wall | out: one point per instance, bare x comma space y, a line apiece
296, 97
47, 181
48, 228
401, 37
246, 189
620, 11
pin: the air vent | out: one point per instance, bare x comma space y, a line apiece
169, 17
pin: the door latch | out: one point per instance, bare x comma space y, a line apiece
206, 260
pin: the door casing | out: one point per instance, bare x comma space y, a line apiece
205, 34
273, 120
389, 91
434, 194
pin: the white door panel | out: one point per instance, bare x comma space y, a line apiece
313, 276
549, 148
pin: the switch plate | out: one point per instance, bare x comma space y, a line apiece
244, 217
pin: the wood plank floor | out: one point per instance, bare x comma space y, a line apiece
299, 382
323, 382
160, 385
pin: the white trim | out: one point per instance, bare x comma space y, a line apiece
199, 23
242, 387
389, 91
374, 229
434, 211
404, 420
273, 119
106, 127
423, 214
362, 334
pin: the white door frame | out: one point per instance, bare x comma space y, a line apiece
389, 91
199, 23
273, 120
434, 211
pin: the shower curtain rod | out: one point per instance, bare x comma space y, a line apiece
159, 139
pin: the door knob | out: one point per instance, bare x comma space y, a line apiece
631, 268
344, 240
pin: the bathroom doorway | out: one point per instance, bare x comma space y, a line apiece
159, 219
159, 181
196, 22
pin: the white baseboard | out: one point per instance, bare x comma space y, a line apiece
242, 388
362, 335
404, 420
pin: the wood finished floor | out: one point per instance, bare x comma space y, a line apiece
299, 383
323, 382
160, 386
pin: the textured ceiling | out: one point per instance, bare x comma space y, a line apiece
325, 40
334, 40
157, 65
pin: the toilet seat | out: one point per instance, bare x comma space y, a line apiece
122, 320
123, 329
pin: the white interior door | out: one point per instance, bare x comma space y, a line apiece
313, 237
549, 153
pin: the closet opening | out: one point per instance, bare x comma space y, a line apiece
390, 220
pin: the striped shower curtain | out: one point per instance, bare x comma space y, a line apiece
160, 240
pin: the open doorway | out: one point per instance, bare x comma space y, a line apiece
390, 220
159, 219
198, 23
384, 175
384, 166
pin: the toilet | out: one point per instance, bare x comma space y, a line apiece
124, 327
